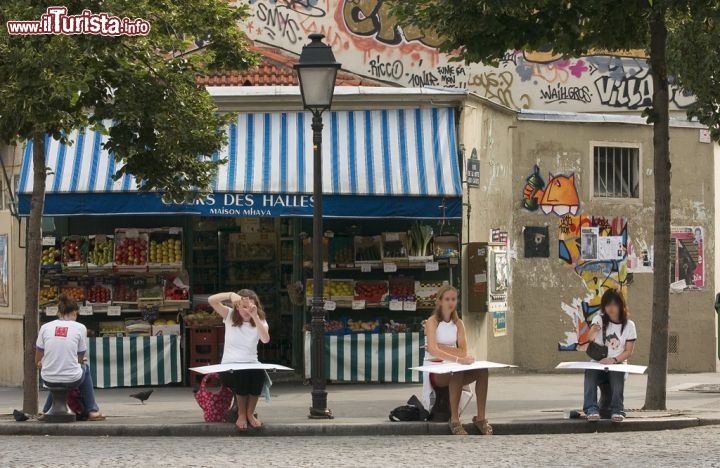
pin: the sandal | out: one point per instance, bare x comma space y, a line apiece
617, 418
456, 428
483, 426
97, 417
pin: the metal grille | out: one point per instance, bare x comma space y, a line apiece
673, 343
616, 172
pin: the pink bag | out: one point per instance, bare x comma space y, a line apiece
214, 405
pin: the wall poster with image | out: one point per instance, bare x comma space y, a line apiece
589, 243
687, 266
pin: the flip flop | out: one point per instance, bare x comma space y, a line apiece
97, 417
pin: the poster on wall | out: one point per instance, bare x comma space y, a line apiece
640, 257
589, 243
687, 266
537, 241
500, 323
4, 281
610, 248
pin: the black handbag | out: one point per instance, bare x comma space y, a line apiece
413, 411
596, 351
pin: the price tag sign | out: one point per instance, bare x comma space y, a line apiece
358, 305
410, 305
48, 240
389, 267
51, 311
366, 268
454, 260
85, 310
392, 237
113, 311
138, 282
432, 266
330, 306
396, 305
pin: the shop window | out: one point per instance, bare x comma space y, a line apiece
616, 172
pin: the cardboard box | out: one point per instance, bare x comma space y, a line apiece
165, 330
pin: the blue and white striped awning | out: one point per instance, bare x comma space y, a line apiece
387, 153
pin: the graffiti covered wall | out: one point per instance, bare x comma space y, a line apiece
605, 241
367, 40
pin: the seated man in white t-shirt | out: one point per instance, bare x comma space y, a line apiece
610, 328
59, 354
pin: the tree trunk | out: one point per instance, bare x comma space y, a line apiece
32, 275
655, 392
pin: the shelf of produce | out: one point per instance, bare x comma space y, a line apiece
135, 361
371, 357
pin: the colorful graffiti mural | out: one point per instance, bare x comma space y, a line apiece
368, 41
558, 196
607, 271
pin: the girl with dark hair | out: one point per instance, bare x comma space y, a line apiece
60, 355
613, 329
245, 326
446, 341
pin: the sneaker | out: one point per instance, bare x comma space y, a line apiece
617, 418
593, 417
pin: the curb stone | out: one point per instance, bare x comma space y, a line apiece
345, 429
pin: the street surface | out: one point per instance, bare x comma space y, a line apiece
689, 447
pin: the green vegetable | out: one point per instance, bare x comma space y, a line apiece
421, 235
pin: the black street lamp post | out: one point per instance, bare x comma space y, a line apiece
316, 72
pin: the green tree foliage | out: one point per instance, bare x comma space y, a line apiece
694, 63
483, 30
163, 128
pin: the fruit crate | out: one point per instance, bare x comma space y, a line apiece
125, 293
112, 328
368, 249
309, 290
446, 246
150, 296
165, 248
131, 249
77, 293
48, 295
394, 246
308, 250
176, 291
373, 292
51, 255
363, 326
100, 252
342, 252
99, 296
426, 292
341, 291
336, 327
74, 252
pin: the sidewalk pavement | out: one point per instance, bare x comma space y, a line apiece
517, 404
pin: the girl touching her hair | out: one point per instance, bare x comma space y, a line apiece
245, 326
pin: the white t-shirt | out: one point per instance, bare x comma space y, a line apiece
615, 336
240, 342
62, 341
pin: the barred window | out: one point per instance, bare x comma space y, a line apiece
616, 172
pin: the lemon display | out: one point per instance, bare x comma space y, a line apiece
167, 251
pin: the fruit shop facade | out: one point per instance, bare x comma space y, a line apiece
144, 268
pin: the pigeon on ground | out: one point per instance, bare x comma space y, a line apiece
142, 396
20, 416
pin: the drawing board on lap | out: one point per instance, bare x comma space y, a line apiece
629, 368
448, 367
237, 366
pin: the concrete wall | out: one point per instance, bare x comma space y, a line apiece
489, 130
11, 324
541, 285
